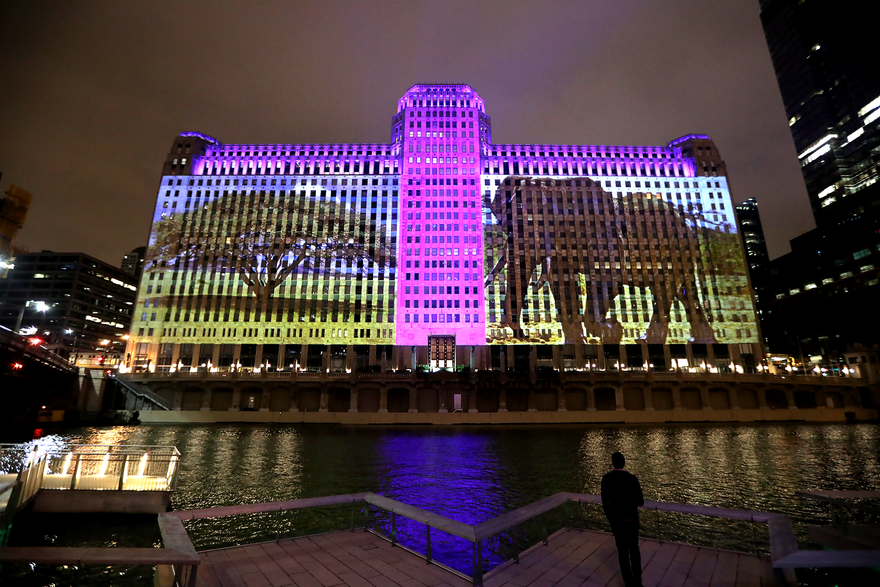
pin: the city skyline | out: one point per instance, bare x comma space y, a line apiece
126, 89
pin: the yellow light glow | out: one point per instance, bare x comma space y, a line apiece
143, 466
104, 464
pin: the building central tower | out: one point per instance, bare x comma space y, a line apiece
440, 292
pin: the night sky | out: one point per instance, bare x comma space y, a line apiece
92, 94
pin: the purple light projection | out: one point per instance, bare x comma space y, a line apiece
438, 171
440, 274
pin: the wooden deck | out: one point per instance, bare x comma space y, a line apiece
583, 558
574, 558
357, 559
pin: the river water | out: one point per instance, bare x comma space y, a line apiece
474, 473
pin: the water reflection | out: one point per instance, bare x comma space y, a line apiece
455, 474
475, 473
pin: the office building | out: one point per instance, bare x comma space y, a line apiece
830, 83
821, 298
441, 248
752, 234
72, 303
133, 262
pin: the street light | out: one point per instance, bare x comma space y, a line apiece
38, 305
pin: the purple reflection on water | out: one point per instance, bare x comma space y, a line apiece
454, 475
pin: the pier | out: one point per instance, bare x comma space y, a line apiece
87, 479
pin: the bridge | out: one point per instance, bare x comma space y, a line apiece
17, 348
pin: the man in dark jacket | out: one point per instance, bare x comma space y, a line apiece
621, 498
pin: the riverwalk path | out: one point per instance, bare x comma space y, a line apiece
572, 558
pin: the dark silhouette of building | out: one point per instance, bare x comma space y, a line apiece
13, 211
752, 233
825, 60
133, 262
822, 297
76, 305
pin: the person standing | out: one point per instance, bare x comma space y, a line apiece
621, 498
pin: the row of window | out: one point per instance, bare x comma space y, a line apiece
443, 318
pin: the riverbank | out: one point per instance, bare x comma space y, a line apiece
622, 416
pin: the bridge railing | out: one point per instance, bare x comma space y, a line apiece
177, 553
24, 344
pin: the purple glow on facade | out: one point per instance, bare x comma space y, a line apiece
440, 253
434, 180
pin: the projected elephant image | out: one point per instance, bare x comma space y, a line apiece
585, 246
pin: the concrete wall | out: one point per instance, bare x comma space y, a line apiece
547, 396
519, 417
58, 501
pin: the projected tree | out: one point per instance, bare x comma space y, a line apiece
265, 240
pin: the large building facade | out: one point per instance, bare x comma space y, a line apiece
442, 248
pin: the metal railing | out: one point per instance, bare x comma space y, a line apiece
15, 341
783, 543
141, 392
177, 552
94, 466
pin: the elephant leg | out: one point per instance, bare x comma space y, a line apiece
701, 330
658, 329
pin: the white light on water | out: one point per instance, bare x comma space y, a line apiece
143, 466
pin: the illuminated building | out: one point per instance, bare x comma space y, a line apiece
823, 54
821, 298
442, 248
77, 305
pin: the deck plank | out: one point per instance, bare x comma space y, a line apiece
573, 558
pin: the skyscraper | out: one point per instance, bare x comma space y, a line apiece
752, 233
436, 246
825, 60
133, 262
821, 298
77, 305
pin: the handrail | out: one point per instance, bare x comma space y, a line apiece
431, 519
518, 516
839, 498
71, 555
272, 506
157, 449
177, 550
142, 392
